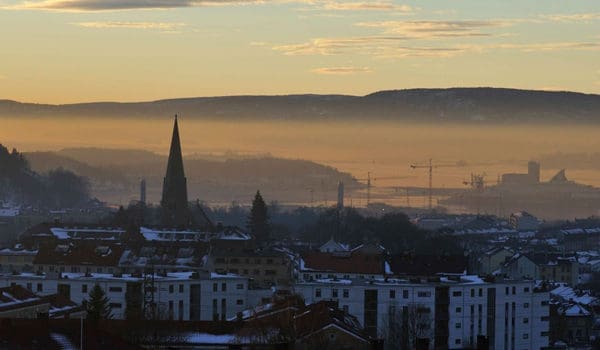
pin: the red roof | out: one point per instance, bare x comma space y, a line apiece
354, 262
16, 297
79, 254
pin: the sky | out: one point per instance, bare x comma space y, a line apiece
67, 51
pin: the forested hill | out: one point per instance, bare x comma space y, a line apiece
114, 175
21, 186
494, 105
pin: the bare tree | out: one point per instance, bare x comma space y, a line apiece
405, 324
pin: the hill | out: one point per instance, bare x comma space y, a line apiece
495, 105
53, 188
115, 175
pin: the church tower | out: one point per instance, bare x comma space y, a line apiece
174, 203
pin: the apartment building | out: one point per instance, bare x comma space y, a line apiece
447, 312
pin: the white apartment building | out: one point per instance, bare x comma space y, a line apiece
451, 312
178, 296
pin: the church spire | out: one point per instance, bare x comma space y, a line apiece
174, 197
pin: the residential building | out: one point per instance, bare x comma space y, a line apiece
452, 312
178, 296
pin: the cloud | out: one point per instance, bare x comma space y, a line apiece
397, 47
577, 17
333, 46
552, 46
434, 29
115, 5
132, 25
341, 70
367, 5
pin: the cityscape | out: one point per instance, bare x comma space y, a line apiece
328, 174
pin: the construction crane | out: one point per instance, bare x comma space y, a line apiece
477, 183
430, 167
368, 180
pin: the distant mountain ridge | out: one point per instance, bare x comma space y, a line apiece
479, 104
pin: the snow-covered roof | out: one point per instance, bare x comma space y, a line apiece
172, 235
8, 212
96, 233
576, 310
19, 252
580, 231
566, 293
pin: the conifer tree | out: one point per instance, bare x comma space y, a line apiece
98, 307
258, 220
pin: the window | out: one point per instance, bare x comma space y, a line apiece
40, 287
84, 288
457, 293
526, 305
234, 271
29, 285
458, 325
256, 272
480, 292
334, 293
180, 310
392, 294
507, 290
269, 261
525, 335
215, 287
457, 341
214, 310
181, 288
514, 290
239, 302
423, 294
171, 289
526, 290
115, 305
525, 320
223, 287
318, 293
239, 286
472, 293
405, 294
115, 289
270, 272
345, 308
345, 293
545, 302
245, 271
458, 310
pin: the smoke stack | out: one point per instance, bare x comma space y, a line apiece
143, 191
533, 170
340, 199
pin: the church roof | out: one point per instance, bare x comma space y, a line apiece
175, 163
